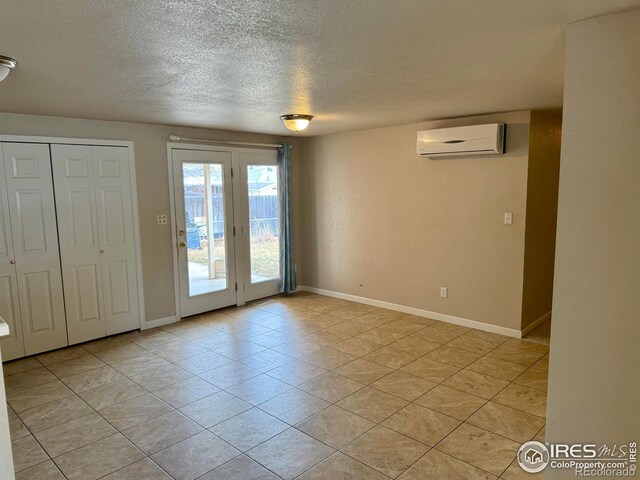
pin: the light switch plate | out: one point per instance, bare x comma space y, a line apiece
162, 219
508, 218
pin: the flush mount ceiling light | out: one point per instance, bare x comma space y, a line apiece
6, 65
296, 122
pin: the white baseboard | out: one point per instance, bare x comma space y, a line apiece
159, 322
536, 323
465, 322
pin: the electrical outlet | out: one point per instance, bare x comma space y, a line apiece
508, 218
162, 219
444, 292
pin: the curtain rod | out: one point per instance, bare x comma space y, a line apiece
177, 138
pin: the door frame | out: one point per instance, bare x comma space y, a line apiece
239, 261
134, 192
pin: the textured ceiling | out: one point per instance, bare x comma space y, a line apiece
240, 64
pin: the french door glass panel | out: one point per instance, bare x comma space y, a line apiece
264, 221
204, 223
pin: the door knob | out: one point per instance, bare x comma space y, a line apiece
182, 244
181, 233
12, 262
101, 251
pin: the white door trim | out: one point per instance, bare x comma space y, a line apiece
134, 190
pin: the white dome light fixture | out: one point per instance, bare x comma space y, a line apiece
6, 65
295, 121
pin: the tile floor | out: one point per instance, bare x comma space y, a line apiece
303, 386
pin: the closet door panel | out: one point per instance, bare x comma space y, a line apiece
115, 227
73, 174
35, 243
12, 345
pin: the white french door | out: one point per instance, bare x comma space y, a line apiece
227, 226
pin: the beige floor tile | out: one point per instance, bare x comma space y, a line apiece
515, 472
135, 366
357, 347
380, 336
335, 426
452, 328
430, 370
422, 424
453, 356
524, 398
403, 327
414, 345
74, 434
331, 387
75, 366
99, 459
517, 355
54, 413
533, 378
249, 429
363, 371
271, 339
121, 352
134, 411
403, 385
472, 344
141, 470
237, 350
471, 445
436, 465
435, 334
46, 470
161, 432
341, 467
35, 396
266, 360
158, 377
20, 366
195, 456
387, 451
296, 373
240, 468
93, 379
16, 427
107, 395
350, 328
527, 345
497, 368
229, 374
372, 404
294, 406
25, 379
259, 389
475, 383
27, 452
508, 422
215, 408
184, 392
328, 358
542, 364
106, 343
488, 336
179, 351
390, 357
290, 453
451, 402
61, 355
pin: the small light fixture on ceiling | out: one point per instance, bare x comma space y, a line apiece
296, 122
6, 65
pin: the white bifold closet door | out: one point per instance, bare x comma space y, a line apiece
96, 229
31, 299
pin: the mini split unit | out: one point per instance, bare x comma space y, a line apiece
471, 141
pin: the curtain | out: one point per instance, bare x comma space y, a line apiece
287, 264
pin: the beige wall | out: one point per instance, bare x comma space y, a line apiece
152, 182
383, 223
542, 207
594, 385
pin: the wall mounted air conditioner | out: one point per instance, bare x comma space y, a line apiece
471, 141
